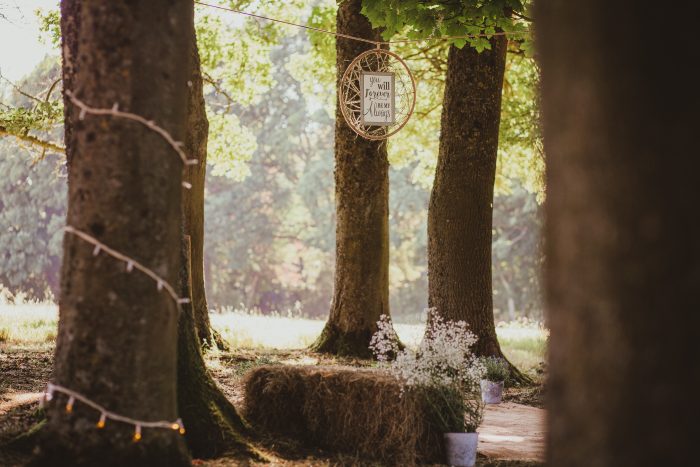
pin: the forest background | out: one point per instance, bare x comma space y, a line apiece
269, 200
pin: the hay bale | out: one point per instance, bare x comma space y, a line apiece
350, 410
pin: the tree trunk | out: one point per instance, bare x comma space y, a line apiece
117, 333
70, 26
460, 215
361, 290
623, 240
193, 199
213, 425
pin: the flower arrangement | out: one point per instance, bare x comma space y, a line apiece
443, 368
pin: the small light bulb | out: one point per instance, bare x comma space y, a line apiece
47, 397
101, 422
69, 405
182, 430
160, 286
175, 426
137, 434
129, 266
96, 251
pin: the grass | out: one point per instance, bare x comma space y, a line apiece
28, 323
523, 342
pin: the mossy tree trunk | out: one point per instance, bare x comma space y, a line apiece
460, 215
213, 425
193, 199
361, 287
623, 238
117, 333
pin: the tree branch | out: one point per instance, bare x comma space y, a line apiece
219, 90
46, 145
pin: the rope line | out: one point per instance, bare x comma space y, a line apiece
361, 39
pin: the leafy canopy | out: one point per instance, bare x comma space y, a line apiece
432, 19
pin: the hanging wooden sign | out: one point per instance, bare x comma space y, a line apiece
377, 94
378, 98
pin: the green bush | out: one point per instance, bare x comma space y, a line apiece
497, 369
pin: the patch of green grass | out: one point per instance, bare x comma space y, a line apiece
251, 330
28, 323
524, 343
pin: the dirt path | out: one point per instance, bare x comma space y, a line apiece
513, 432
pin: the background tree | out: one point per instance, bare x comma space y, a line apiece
460, 219
622, 237
117, 334
460, 214
214, 426
33, 204
193, 199
269, 203
361, 287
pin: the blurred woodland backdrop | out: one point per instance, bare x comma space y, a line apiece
269, 202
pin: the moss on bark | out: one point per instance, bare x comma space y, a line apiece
213, 426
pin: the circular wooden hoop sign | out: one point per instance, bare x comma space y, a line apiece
377, 94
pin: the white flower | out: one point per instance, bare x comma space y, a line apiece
443, 358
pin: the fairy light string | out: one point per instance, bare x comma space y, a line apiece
150, 124
161, 284
131, 264
105, 414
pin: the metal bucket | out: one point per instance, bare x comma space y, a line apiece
460, 449
491, 392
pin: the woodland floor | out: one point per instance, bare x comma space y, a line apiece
512, 433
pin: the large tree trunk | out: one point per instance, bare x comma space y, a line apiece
193, 199
623, 238
460, 215
117, 333
361, 290
214, 427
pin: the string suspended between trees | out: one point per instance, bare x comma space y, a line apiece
371, 84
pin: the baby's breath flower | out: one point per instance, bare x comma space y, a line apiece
443, 359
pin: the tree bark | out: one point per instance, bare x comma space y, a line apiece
213, 426
460, 215
117, 333
623, 241
361, 290
193, 199
70, 27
